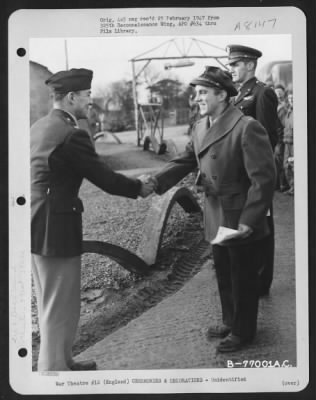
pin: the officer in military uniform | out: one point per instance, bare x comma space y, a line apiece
259, 101
238, 187
62, 155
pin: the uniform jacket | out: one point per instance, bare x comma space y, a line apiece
61, 156
260, 102
238, 184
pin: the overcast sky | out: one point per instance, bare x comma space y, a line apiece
109, 57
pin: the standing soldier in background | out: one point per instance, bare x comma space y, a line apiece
282, 184
259, 101
288, 144
62, 155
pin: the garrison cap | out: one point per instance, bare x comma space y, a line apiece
237, 52
70, 81
216, 77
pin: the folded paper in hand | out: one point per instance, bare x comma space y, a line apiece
224, 233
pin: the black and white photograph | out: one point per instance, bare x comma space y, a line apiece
158, 201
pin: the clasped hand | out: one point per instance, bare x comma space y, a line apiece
149, 185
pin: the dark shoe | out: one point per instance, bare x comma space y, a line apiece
218, 331
231, 343
88, 365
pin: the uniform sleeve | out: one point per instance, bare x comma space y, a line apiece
176, 169
260, 168
267, 114
84, 160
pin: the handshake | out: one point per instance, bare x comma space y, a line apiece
148, 185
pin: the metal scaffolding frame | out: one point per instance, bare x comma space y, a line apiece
152, 126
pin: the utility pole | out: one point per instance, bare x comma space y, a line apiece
66, 55
135, 103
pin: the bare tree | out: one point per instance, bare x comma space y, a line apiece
152, 74
116, 99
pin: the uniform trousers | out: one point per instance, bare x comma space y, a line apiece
279, 162
237, 268
268, 250
57, 287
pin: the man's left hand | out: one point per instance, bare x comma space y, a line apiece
244, 230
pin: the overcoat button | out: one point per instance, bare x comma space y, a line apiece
74, 208
203, 175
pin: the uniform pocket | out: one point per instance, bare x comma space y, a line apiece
66, 206
247, 105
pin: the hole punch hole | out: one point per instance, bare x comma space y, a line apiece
21, 52
21, 200
22, 352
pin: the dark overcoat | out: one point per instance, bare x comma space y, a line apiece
260, 102
237, 172
61, 157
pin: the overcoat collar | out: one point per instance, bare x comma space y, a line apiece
206, 136
66, 116
245, 90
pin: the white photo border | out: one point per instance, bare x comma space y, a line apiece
27, 24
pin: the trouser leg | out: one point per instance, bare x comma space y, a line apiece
37, 287
277, 158
245, 262
283, 181
290, 177
268, 250
223, 275
289, 170
286, 164
59, 305
279, 155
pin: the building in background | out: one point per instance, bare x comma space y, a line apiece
277, 72
40, 100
